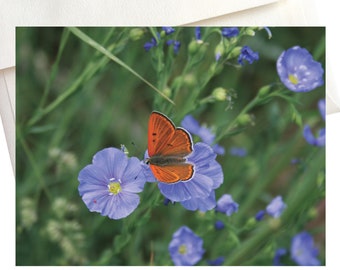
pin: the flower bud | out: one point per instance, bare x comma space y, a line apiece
193, 47
245, 119
312, 213
136, 33
250, 32
274, 223
167, 91
220, 94
264, 91
235, 52
189, 80
250, 224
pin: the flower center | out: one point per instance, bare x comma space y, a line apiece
293, 79
182, 249
114, 187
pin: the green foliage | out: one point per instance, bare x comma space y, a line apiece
80, 90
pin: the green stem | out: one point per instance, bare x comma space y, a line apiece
34, 165
64, 39
251, 246
88, 73
114, 58
245, 110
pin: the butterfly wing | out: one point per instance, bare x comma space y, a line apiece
173, 173
167, 147
165, 139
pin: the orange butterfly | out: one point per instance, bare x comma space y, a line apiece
168, 147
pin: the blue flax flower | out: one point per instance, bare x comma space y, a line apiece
277, 257
248, 55
198, 34
276, 207
109, 185
260, 214
218, 261
197, 193
186, 248
319, 141
202, 204
219, 225
303, 251
238, 151
192, 125
227, 205
298, 71
230, 32
322, 108
175, 43
168, 30
151, 44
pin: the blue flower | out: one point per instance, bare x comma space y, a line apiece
219, 225
109, 185
227, 205
248, 55
192, 125
168, 30
277, 257
276, 207
260, 214
198, 34
151, 44
303, 251
166, 201
322, 108
319, 141
238, 151
186, 248
298, 71
175, 43
197, 193
230, 32
202, 204
218, 261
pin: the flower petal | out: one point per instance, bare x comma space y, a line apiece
120, 205
201, 204
190, 124
112, 161
199, 186
133, 179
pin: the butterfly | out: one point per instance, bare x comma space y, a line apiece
168, 147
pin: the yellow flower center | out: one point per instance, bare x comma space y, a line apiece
182, 249
114, 187
293, 79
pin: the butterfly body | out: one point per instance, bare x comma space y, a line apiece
165, 160
168, 148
